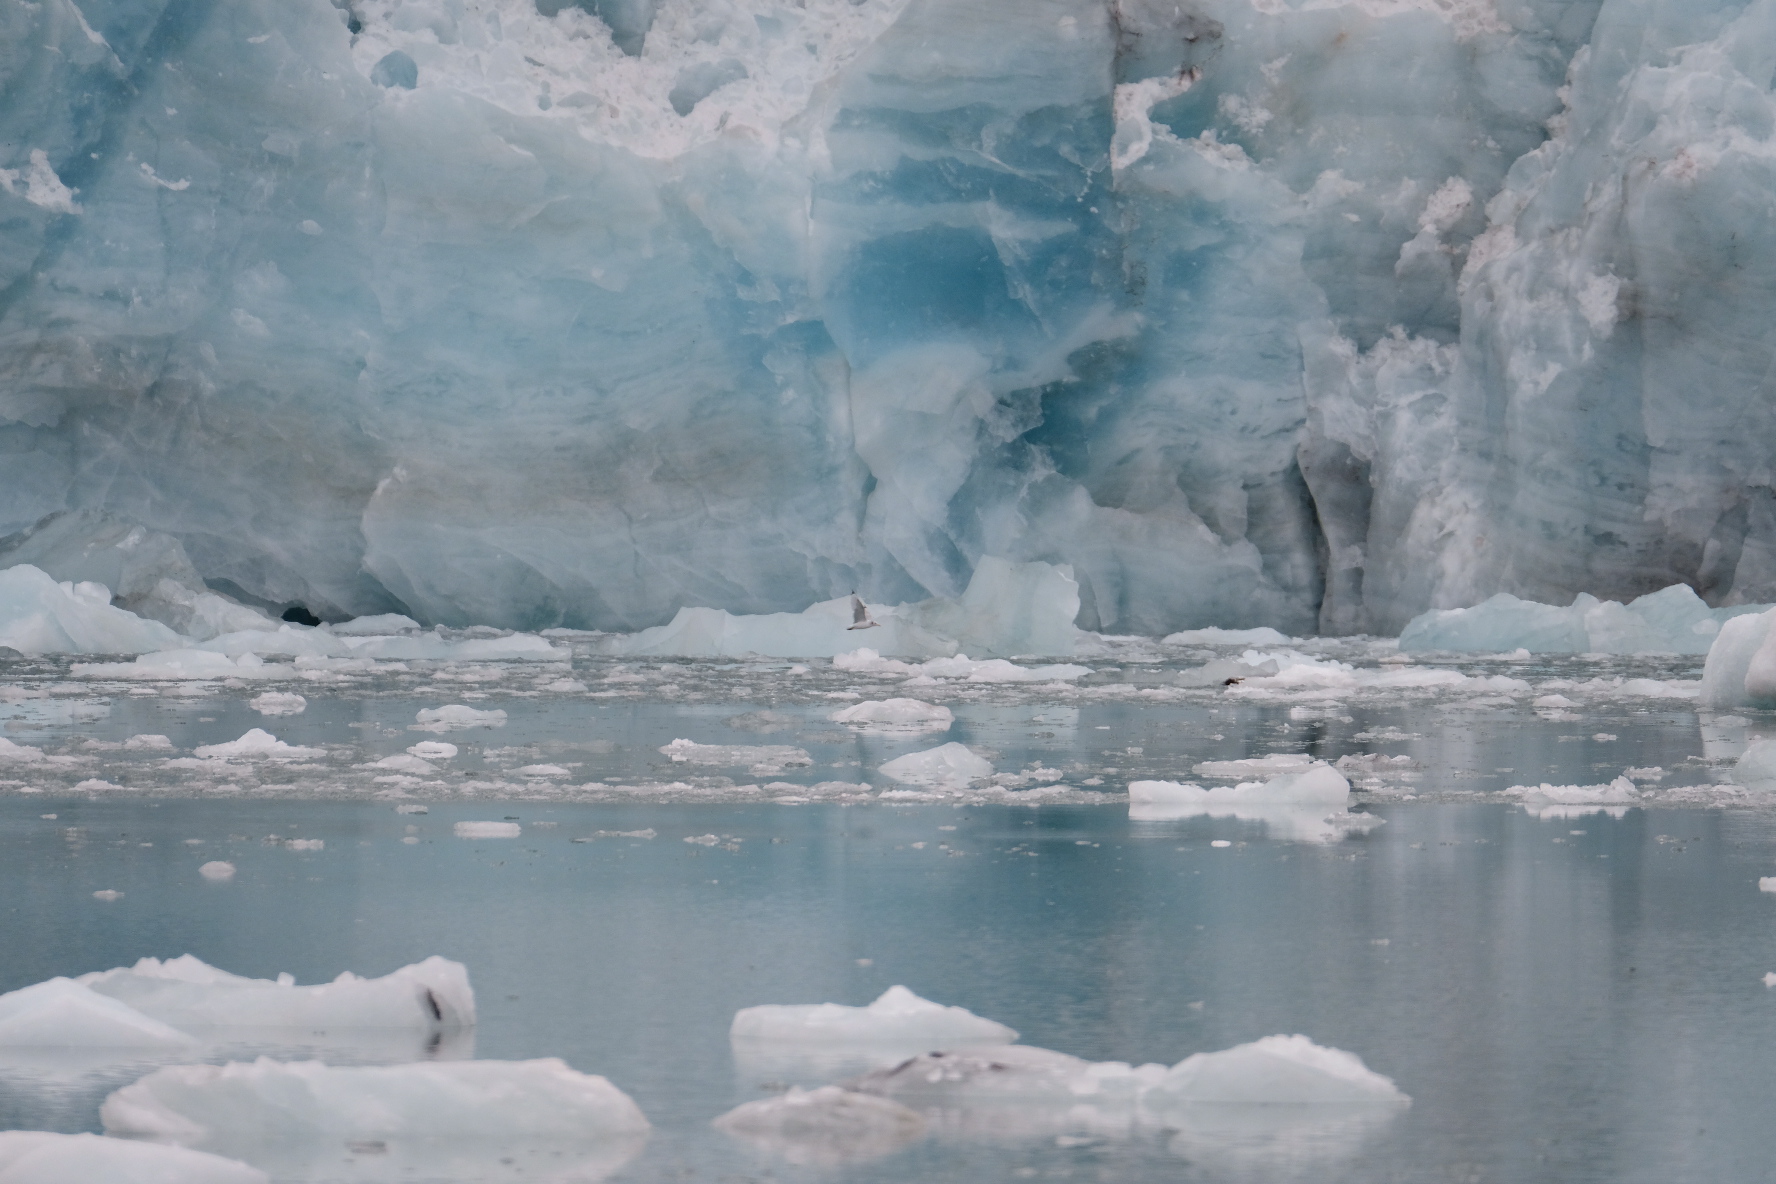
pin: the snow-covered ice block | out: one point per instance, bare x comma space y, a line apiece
241, 1104
891, 715
429, 996
256, 744
1318, 784
40, 616
897, 1017
1673, 620
951, 766
827, 1126
456, 717
65, 1013
1274, 1071
40, 1157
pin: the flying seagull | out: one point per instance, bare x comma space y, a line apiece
860, 618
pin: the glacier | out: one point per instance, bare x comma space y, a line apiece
1304, 314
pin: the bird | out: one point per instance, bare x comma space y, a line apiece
860, 618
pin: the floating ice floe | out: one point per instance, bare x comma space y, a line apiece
1672, 621
1008, 608
961, 666
1255, 766
256, 744
1215, 636
448, 1119
1274, 1071
65, 1014
19, 753
487, 830
217, 870
456, 717
278, 703
762, 759
898, 1017
1572, 801
895, 715
429, 996
432, 750
1756, 767
951, 766
382, 624
1317, 784
42, 1157
823, 1127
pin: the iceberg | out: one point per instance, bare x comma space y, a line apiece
41, 1157
41, 616
1672, 621
66, 1014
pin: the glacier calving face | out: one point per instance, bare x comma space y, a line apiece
531, 314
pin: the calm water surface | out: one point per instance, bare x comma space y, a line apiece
1566, 999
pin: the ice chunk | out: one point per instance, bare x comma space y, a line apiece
897, 1017
66, 1013
405, 763
894, 715
217, 870
241, 1106
40, 1157
381, 624
1741, 667
1274, 1071
1572, 801
180, 664
1217, 636
256, 744
762, 758
826, 1126
278, 703
432, 750
19, 753
487, 830
949, 766
456, 717
868, 661
1767, 883
1318, 784
1756, 768
1255, 766
40, 616
1674, 620
1014, 1073
430, 996
1007, 609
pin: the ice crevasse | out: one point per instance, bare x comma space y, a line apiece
503, 312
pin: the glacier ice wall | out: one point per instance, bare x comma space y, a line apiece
1301, 313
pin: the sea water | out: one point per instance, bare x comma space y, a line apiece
1567, 993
